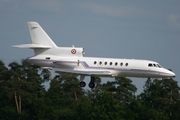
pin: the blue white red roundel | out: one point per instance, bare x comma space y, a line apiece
73, 51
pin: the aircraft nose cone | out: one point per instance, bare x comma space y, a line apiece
168, 73
171, 74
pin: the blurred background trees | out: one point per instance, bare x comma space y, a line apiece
23, 96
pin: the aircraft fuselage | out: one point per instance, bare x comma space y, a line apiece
112, 67
71, 60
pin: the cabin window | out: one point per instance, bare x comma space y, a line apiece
95, 62
150, 65
105, 63
48, 58
100, 63
121, 64
126, 64
110, 63
116, 63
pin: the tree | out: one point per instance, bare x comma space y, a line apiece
122, 88
23, 96
65, 95
102, 107
21, 86
161, 96
5, 106
97, 88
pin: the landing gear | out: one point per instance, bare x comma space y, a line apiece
148, 83
91, 83
82, 84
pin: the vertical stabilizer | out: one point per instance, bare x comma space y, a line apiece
39, 36
43, 45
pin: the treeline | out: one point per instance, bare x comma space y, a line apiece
23, 96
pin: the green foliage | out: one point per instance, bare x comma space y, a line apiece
122, 88
160, 97
23, 96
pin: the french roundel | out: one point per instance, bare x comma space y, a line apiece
73, 51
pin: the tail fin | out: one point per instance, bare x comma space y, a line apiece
43, 45
39, 36
41, 42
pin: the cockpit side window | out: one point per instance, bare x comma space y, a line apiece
154, 65
159, 66
150, 65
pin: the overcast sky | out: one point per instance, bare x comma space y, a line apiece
105, 28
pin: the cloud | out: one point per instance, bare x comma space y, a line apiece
174, 20
47, 5
112, 11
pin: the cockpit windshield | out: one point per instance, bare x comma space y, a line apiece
154, 65
159, 65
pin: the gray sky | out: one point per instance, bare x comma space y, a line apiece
119, 29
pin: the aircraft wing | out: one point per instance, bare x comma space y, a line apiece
87, 73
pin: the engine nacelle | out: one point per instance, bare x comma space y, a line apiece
71, 51
62, 51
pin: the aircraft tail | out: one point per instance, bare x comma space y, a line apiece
41, 42
39, 36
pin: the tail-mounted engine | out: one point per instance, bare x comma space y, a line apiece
71, 51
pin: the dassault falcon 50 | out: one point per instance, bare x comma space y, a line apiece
71, 61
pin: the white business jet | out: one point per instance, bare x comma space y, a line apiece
70, 61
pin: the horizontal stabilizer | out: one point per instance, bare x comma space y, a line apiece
32, 46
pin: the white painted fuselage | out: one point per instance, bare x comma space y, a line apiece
71, 60
103, 67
